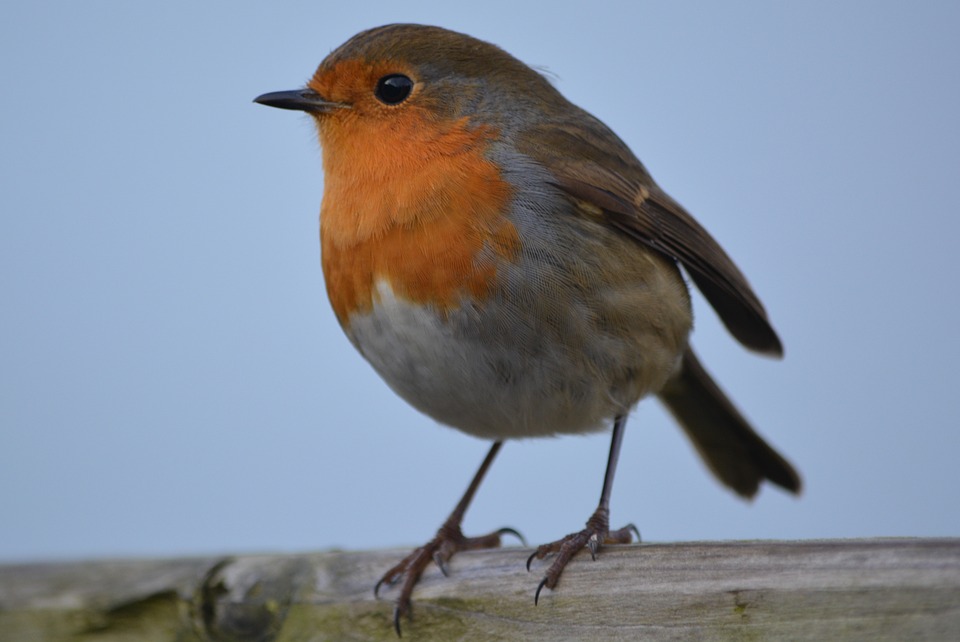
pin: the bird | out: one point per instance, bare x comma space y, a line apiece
510, 268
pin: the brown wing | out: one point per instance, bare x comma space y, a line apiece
591, 164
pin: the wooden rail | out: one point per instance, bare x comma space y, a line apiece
885, 589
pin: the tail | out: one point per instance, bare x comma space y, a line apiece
736, 454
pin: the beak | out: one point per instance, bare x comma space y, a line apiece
300, 99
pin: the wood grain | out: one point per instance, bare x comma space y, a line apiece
885, 589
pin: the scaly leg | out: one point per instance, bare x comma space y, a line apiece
448, 540
597, 531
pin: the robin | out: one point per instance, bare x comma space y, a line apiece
508, 266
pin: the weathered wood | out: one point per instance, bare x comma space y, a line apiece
898, 589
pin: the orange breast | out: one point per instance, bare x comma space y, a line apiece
411, 202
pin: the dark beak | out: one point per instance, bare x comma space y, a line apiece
300, 99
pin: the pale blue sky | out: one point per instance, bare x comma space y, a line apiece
172, 380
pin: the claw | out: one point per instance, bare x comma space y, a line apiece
376, 589
636, 531
396, 620
448, 541
515, 533
441, 564
536, 596
594, 545
530, 560
593, 538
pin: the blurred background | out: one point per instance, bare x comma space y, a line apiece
172, 380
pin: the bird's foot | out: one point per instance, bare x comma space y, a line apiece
596, 534
448, 540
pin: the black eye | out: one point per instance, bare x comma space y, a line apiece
393, 89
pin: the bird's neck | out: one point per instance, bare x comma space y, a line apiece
413, 206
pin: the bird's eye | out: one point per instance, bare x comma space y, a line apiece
393, 89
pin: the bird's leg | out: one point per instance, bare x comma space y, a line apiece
448, 540
597, 531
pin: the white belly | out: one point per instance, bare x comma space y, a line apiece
509, 371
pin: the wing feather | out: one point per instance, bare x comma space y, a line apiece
601, 170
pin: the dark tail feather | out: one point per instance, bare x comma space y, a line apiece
736, 454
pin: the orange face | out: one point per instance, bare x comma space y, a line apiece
410, 197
